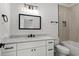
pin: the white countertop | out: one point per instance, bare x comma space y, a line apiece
25, 39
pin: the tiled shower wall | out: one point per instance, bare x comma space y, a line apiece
63, 30
71, 15
74, 23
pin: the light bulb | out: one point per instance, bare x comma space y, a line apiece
32, 10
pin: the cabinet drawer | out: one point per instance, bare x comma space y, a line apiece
30, 44
9, 47
9, 53
50, 42
50, 47
50, 52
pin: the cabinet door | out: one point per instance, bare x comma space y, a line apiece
50, 52
0, 51
40, 51
26, 52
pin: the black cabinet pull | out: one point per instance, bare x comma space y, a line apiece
50, 49
50, 42
8, 48
32, 50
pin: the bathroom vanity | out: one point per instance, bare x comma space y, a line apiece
29, 47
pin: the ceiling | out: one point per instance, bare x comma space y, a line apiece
67, 4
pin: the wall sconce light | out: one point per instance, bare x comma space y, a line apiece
5, 18
31, 9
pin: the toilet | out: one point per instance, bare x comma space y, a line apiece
62, 50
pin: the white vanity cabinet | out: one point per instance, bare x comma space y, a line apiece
37, 48
34, 48
37, 51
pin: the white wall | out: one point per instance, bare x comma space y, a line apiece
48, 12
4, 27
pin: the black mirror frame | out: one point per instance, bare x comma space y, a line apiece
29, 28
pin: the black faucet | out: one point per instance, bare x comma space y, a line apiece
1, 45
31, 35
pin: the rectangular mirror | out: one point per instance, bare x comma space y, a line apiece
29, 22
